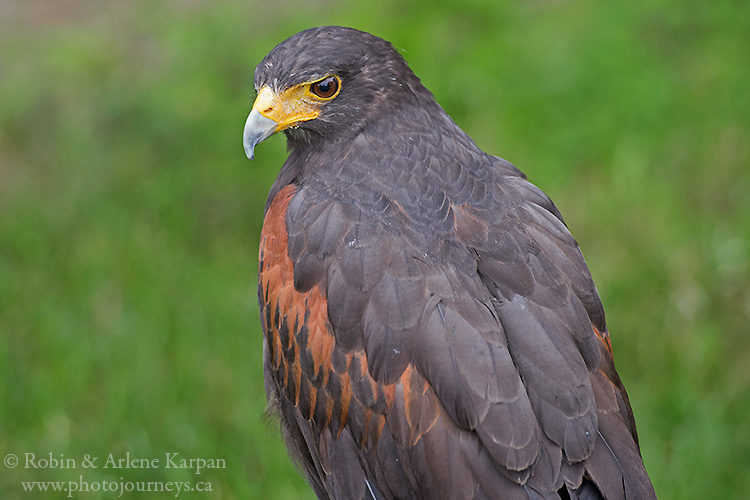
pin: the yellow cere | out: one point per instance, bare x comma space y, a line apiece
292, 106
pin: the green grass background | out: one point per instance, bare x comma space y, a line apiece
129, 215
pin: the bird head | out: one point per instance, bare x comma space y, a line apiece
325, 82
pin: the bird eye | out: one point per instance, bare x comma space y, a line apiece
325, 88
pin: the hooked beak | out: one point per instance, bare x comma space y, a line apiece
272, 113
259, 126
257, 129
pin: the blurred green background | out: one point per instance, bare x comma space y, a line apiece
129, 215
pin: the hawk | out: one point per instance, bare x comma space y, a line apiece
431, 328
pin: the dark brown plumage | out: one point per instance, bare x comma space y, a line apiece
431, 328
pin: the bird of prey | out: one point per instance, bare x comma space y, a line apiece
431, 328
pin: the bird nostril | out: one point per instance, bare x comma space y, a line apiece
268, 110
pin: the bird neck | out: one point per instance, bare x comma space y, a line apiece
404, 141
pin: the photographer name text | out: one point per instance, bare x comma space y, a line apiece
170, 460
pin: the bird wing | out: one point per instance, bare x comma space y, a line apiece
480, 368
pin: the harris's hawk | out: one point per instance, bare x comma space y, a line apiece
431, 328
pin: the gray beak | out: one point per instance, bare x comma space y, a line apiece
257, 129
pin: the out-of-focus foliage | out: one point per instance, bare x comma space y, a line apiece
129, 215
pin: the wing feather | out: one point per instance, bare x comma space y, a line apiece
475, 364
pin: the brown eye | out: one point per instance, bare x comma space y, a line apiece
325, 88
